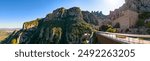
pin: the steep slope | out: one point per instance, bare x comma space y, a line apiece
130, 17
63, 26
139, 6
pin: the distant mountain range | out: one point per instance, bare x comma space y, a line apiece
5, 32
10, 29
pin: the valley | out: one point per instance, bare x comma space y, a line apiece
5, 32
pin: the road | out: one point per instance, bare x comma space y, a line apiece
128, 38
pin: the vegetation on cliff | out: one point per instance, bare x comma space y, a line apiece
63, 26
143, 17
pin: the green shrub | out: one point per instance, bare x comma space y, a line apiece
140, 22
147, 24
148, 31
117, 25
111, 30
144, 15
105, 27
14, 41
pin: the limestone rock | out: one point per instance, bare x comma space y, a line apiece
61, 26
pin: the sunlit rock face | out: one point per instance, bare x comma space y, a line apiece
138, 5
62, 26
134, 5
128, 20
127, 15
31, 24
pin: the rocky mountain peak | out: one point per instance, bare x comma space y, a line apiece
74, 13
137, 5
59, 12
133, 5
31, 24
131, 14
60, 26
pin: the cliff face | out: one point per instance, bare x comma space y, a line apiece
94, 17
128, 20
31, 24
128, 14
73, 26
137, 5
61, 26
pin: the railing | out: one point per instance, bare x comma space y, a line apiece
127, 38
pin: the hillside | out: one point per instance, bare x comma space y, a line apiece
133, 17
74, 26
63, 26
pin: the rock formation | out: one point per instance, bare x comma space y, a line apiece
63, 26
71, 25
127, 15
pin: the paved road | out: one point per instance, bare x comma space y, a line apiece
128, 38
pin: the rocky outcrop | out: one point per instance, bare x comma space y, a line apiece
31, 24
128, 20
90, 18
138, 6
95, 18
115, 14
127, 15
63, 26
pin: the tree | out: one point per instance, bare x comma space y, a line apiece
111, 30
147, 24
140, 22
117, 25
104, 28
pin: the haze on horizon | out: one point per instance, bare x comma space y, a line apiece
13, 13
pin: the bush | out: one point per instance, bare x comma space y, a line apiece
144, 15
105, 27
108, 28
111, 30
148, 31
140, 22
117, 25
14, 41
147, 24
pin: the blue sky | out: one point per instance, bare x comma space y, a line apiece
13, 13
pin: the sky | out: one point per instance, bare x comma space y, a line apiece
13, 13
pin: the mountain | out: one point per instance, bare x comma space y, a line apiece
138, 6
133, 16
74, 26
63, 26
